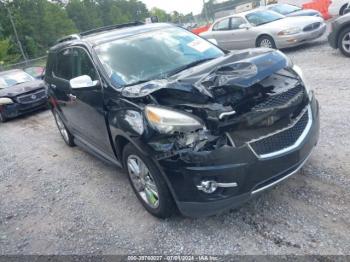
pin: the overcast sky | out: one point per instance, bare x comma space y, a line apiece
182, 6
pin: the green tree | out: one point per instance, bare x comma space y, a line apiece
39, 24
161, 14
85, 14
5, 52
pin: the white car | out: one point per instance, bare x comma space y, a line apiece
264, 28
337, 7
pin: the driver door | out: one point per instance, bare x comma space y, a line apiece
222, 34
86, 107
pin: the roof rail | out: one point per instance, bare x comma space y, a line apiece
68, 38
111, 27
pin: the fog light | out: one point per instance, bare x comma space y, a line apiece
210, 187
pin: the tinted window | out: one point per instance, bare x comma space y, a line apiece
83, 64
222, 25
236, 22
64, 66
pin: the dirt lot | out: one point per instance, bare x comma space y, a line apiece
58, 200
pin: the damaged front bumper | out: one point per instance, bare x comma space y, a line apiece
17, 109
247, 167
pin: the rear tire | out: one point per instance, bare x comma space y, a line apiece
66, 135
344, 42
3, 118
148, 183
266, 41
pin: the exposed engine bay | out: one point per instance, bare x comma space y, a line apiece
237, 102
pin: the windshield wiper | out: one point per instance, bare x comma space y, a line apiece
182, 68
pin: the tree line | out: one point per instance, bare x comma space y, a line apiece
39, 23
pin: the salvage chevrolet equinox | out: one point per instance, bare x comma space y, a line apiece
197, 128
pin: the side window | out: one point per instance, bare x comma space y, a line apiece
236, 22
83, 64
223, 25
64, 65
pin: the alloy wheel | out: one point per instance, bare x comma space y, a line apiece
346, 42
62, 128
143, 181
266, 43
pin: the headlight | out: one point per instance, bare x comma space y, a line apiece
298, 70
6, 101
290, 31
169, 121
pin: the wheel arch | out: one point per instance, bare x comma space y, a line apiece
340, 31
262, 35
342, 9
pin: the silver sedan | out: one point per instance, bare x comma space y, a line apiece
264, 28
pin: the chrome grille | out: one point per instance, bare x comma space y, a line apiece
283, 140
281, 99
312, 27
32, 97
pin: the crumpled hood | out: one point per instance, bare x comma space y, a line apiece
240, 69
21, 88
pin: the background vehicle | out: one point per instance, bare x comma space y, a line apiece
194, 126
20, 93
338, 7
264, 28
340, 35
292, 10
38, 72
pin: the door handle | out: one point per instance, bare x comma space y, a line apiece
72, 98
53, 86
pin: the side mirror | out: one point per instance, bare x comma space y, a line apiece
244, 26
82, 82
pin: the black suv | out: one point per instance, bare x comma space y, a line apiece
196, 127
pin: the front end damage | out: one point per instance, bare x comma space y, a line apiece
260, 124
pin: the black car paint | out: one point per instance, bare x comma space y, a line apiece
337, 27
35, 87
105, 122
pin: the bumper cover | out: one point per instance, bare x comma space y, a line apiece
241, 165
301, 38
17, 109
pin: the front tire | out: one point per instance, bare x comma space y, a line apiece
3, 118
266, 41
66, 135
344, 42
148, 183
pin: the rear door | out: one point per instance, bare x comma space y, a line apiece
241, 38
222, 34
59, 83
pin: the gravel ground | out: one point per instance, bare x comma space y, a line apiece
58, 200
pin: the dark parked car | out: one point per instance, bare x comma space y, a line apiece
292, 10
196, 127
20, 93
340, 35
